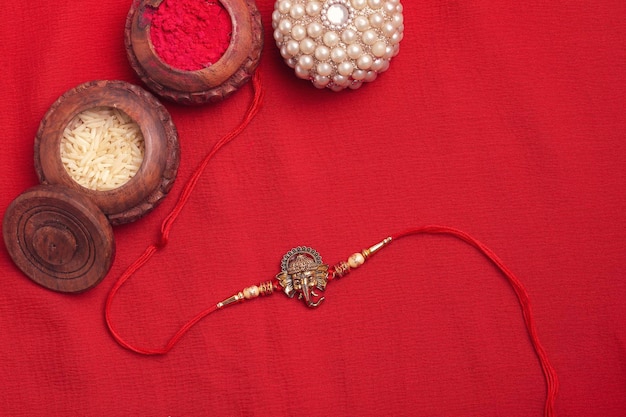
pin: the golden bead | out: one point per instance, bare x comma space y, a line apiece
356, 260
251, 292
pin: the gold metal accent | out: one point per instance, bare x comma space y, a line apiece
375, 248
231, 300
341, 269
248, 293
266, 288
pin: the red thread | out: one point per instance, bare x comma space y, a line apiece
189, 34
166, 227
549, 372
552, 382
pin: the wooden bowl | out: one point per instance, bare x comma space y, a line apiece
208, 85
157, 173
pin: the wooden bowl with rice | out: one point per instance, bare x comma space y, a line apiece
113, 142
106, 153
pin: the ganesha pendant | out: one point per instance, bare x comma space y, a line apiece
338, 44
302, 272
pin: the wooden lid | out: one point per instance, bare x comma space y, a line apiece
158, 170
59, 238
211, 84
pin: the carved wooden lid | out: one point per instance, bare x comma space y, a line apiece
59, 238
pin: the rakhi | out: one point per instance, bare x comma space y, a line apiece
303, 275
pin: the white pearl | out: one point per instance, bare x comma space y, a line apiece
297, 11
375, 4
313, 8
321, 80
356, 260
389, 50
345, 68
389, 7
251, 292
324, 69
396, 38
361, 23
278, 35
331, 38
306, 62
359, 4
354, 85
364, 62
397, 19
396, 49
291, 62
284, 6
341, 80
378, 65
348, 36
298, 32
275, 18
284, 53
376, 20
293, 47
369, 37
354, 50
359, 74
371, 76
388, 29
314, 29
338, 54
336, 87
322, 53
285, 26
301, 72
307, 45
379, 48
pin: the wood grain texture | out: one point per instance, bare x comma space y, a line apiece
59, 238
209, 85
157, 173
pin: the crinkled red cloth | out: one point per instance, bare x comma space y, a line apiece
503, 119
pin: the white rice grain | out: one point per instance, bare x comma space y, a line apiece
102, 148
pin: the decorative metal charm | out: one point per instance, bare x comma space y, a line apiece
302, 271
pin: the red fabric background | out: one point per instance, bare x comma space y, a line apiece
504, 119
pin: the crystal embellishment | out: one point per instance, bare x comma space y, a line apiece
337, 14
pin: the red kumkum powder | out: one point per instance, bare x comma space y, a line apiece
190, 34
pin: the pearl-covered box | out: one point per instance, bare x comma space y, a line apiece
338, 44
